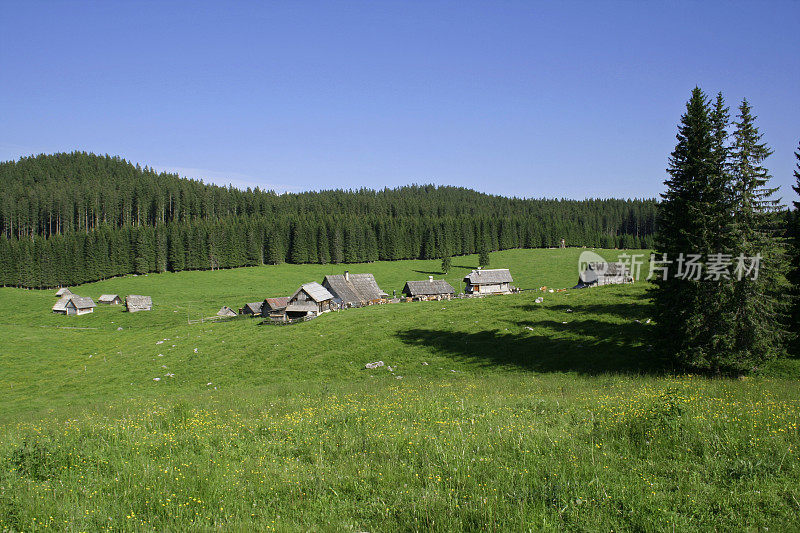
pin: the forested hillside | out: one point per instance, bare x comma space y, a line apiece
78, 217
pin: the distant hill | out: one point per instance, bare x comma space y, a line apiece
70, 218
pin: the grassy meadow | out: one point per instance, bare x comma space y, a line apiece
497, 413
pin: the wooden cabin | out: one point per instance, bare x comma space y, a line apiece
80, 305
490, 281
60, 308
310, 300
226, 311
62, 292
432, 289
354, 290
135, 302
274, 305
252, 309
602, 273
109, 299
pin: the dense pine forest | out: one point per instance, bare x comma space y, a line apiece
71, 218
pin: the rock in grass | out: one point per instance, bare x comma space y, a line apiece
376, 364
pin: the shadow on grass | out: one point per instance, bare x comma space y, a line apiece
582, 345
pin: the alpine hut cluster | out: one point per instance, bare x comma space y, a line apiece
70, 303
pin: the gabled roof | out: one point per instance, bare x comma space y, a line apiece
355, 288
107, 297
61, 304
497, 275
138, 302
226, 311
81, 302
596, 270
428, 288
316, 291
254, 308
277, 303
63, 291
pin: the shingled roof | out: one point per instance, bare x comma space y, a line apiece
317, 292
107, 298
81, 302
135, 302
61, 304
253, 308
354, 289
276, 304
63, 291
482, 277
598, 269
428, 288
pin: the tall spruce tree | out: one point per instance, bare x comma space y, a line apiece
691, 216
756, 328
795, 259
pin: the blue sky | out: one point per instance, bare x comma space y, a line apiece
561, 99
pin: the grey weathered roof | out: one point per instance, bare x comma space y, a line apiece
301, 307
107, 297
596, 270
63, 291
226, 311
254, 307
277, 303
138, 302
428, 287
317, 292
61, 304
355, 290
496, 275
81, 302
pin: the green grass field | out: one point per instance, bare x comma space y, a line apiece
499, 414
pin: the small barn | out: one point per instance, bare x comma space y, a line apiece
274, 305
490, 281
253, 309
60, 308
427, 290
354, 290
109, 299
601, 273
226, 311
135, 302
311, 299
80, 305
63, 291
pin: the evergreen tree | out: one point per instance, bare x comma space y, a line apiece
446, 264
795, 259
483, 258
756, 327
691, 215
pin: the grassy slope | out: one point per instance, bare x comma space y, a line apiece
518, 420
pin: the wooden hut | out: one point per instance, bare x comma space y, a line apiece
311, 299
252, 309
80, 305
274, 305
62, 292
427, 290
490, 281
602, 273
226, 311
109, 299
60, 308
354, 290
135, 302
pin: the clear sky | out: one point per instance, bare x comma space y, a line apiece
557, 99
